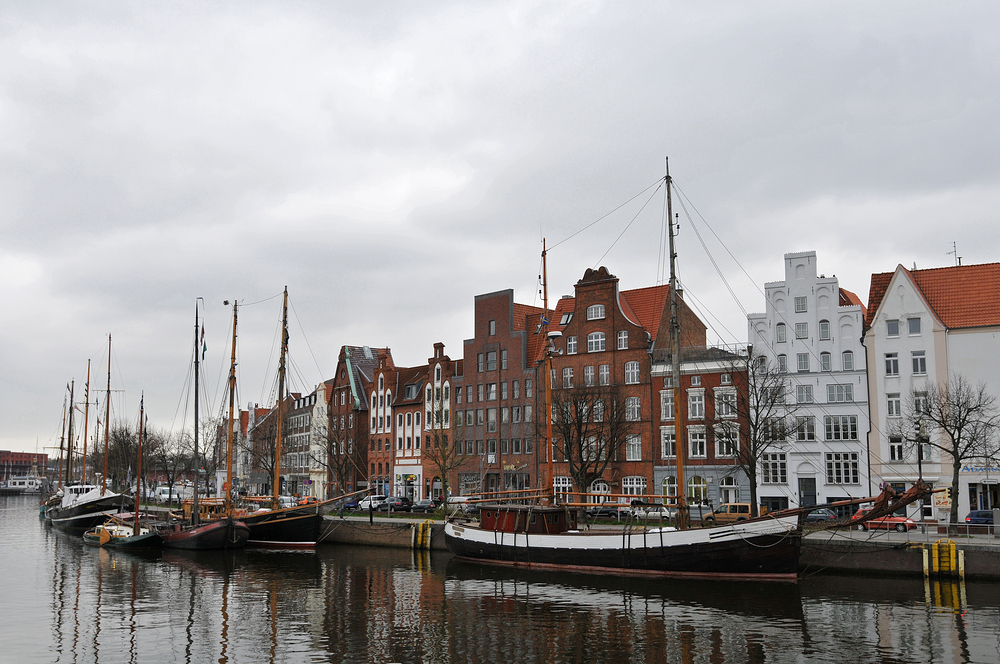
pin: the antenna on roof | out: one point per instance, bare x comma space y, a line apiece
954, 252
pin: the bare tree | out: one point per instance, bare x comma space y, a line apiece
590, 429
443, 455
339, 458
964, 417
764, 409
170, 455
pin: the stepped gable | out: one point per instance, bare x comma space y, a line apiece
960, 296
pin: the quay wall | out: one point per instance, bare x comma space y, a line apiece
408, 534
900, 558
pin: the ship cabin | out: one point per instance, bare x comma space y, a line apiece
534, 519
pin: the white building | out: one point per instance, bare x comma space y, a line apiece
924, 327
811, 328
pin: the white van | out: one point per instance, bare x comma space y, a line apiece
371, 502
166, 494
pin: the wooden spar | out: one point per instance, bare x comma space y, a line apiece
107, 422
281, 398
62, 442
138, 465
197, 465
69, 437
675, 339
548, 376
229, 429
86, 414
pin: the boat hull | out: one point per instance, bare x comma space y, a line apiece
84, 515
291, 529
224, 534
761, 550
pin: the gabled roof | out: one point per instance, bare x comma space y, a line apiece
849, 299
523, 313
960, 296
643, 305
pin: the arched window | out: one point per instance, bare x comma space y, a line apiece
595, 312
779, 332
848, 360
669, 488
697, 491
824, 330
598, 486
825, 362
596, 342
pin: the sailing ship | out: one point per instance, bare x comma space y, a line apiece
290, 527
76, 508
225, 531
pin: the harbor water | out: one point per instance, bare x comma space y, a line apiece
66, 602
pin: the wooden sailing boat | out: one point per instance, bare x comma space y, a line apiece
291, 527
78, 507
116, 533
225, 532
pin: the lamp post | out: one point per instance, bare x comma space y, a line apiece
921, 438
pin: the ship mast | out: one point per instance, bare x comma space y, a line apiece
62, 442
138, 466
229, 429
107, 422
550, 452
69, 437
675, 343
281, 396
197, 465
86, 417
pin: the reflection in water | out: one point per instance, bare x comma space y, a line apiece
344, 604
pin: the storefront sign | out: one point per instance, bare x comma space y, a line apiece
942, 501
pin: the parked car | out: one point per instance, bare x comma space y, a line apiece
287, 501
644, 511
900, 524
821, 515
426, 506
980, 516
308, 500
394, 504
731, 513
610, 511
370, 502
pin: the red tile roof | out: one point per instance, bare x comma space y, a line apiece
647, 305
960, 296
524, 312
848, 299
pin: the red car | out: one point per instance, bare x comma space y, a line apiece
900, 524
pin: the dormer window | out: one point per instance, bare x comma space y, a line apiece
566, 318
595, 312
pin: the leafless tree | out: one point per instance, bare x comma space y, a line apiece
443, 454
964, 418
765, 410
170, 455
590, 428
339, 458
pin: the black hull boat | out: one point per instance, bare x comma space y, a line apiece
214, 535
82, 506
540, 537
288, 528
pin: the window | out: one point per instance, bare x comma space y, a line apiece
571, 345
726, 442
920, 402
598, 410
782, 363
567, 377
839, 393
504, 415
893, 405
503, 358
516, 389
562, 485
696, 443
480, 361
516, 413
667, 405
774, 469
725, 403
695, 381
458, 395
460, 419
919, 362
527, 413
588, 376
491, 419
622, 339
913, 325
480, 417
669, 488
504, 446
595, 342
668, 444
515, 446
802, 330
779, 331
842, 468
892, 328
633, 408
841, 427
697, 490
825, 363
696, 405
802, 362
631, 373
800, 305
604, 374
847, 359
805, 429
482, 395
726, 379
634, 486
892, 364
803, 393
595, 312
491, 360
895, 448
503, 390
633, 447
491, 446
824, 330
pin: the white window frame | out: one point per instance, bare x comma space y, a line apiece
595, 312
668, 443
632, 373
697, 442
622, 339
596, 342
571, 345
633, 447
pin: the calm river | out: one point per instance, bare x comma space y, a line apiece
65, 602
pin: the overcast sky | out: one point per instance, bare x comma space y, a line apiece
390, 161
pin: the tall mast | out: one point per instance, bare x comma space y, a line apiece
675, 339
197, 465
62, 442
86, 414
107, 422
229, 429
281, 395
138, 465
550, 452
69, 437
